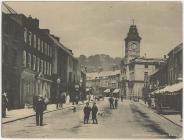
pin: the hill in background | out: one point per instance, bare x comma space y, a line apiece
100, 62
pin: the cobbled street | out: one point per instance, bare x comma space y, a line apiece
130, 120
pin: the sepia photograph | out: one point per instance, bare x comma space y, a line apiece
92, 69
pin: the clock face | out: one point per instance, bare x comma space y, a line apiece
132, 45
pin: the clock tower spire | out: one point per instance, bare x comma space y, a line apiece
132, 43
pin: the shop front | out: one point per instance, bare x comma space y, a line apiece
169, 99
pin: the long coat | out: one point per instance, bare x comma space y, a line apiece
94, 110
40, 105
87, 110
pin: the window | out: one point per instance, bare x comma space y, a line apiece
38, 65
41, 66
34, 62
24, 58
45, 67
38, 43
35, 41
50, 69
50, 51
42, 47
30, 38
46, 48
29, 60
146, 66
25, 35
39, 47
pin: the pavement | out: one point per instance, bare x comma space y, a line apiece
129, 120
18, 114
174, 118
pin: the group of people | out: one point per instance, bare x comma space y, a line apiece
93, 110
113, 101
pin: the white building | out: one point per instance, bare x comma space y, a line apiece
135, 69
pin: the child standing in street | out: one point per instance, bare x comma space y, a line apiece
94, 112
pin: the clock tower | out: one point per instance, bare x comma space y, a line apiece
132, 43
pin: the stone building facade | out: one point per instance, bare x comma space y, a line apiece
33, 60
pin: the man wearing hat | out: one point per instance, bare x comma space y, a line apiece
94, 112
39, 108
87, 110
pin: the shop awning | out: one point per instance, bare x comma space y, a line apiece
174, 88
107, 91
116, 91
171, 88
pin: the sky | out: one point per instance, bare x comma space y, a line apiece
100, 27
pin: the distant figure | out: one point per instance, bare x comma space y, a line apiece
39, 108
94, 112
149, 102
89, 98
4, 104
62, 99
77, 99
111, 101
121, 98
57, 102
74, 108
116, 103
87, 110
68, 99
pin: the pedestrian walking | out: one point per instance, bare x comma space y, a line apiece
62, 99
111, 101
149, 102
4, 104
57, 102
87, 110
121, 98
94, 112
39, 108
116, 103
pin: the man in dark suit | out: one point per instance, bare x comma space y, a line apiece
39, 108
87, 110
94, 112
